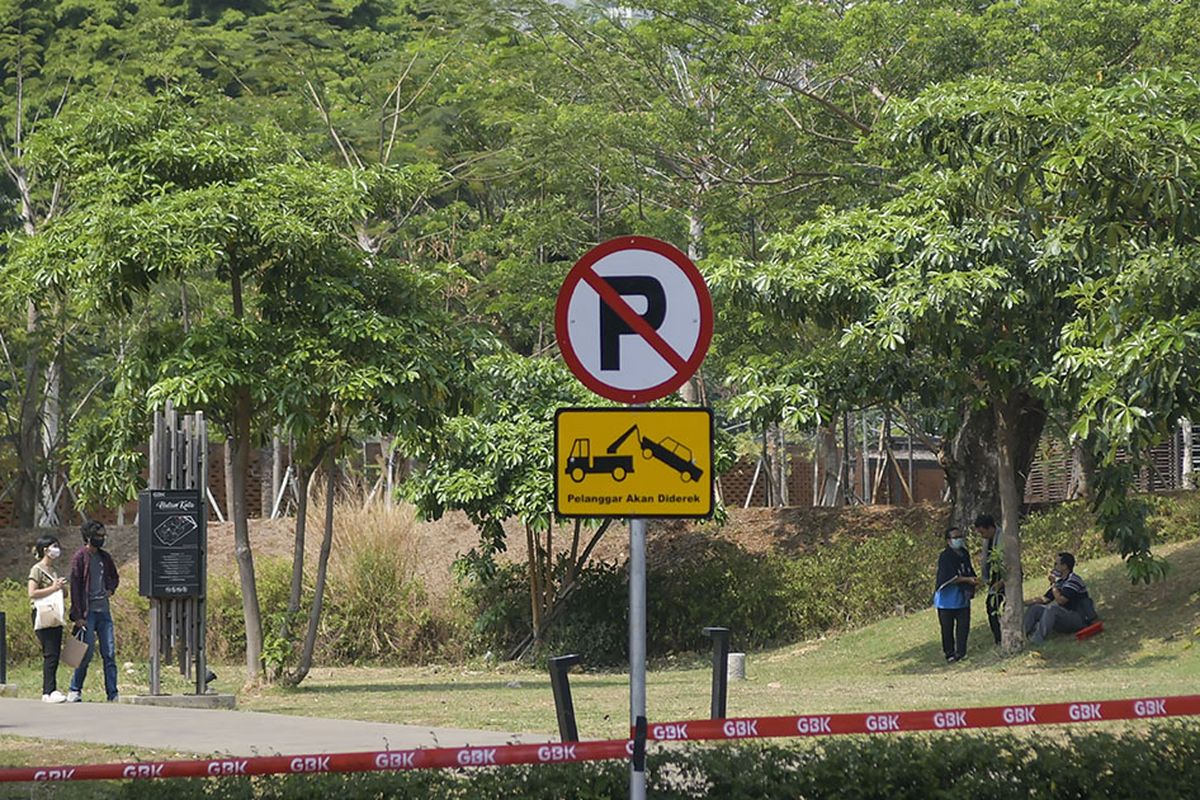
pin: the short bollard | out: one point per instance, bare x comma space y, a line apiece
559, 666
720, 665
3, 649
737, 666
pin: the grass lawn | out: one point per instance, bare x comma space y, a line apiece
21, 752
1147, 648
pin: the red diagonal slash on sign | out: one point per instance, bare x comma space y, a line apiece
611, 298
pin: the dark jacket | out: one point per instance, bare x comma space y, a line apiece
81, 568
951, 564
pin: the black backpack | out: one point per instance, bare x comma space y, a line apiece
1087, 609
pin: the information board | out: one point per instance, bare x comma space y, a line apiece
171, 543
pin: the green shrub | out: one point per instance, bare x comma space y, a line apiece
771, 598
129, 611
763, 599
1155, 761
14, 602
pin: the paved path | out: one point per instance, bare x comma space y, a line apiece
237, 733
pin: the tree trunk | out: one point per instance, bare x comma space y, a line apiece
228, 454
535, 589
1186, 477
970, 458
28, 475
241, 524
297, 584
689, 392
1083, 467
1007, 419
781, 463
47, 511
970, 462
276, 468
318, 603
831, 465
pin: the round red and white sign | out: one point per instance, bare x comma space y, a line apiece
634, 319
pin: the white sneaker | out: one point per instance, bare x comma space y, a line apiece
54, 697
73, 696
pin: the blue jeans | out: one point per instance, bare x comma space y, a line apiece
99, 626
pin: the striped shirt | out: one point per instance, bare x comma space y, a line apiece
1072, 588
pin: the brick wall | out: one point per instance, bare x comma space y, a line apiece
258, 492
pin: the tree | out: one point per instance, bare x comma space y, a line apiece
366, 346
494, 464
1021, 199
175, 188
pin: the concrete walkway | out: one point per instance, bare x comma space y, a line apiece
235, 733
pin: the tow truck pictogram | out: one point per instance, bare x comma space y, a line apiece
671, 452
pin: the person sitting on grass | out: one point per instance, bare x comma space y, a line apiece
956, 584
1065, 607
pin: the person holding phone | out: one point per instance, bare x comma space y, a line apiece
956, 584
1065, 607
45, 581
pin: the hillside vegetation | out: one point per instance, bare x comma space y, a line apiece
773, 576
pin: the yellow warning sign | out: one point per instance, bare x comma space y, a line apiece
636, 462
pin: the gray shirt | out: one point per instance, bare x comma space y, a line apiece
97, 595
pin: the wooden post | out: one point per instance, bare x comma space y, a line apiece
1186, 480
179, 460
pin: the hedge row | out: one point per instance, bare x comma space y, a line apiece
1153, 761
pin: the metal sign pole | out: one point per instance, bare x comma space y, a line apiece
663, 345
637, 656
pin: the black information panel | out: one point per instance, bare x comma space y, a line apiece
171, 539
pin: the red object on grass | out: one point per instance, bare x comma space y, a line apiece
1089, 631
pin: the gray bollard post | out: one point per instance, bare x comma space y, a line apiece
720, 666
559, 666
3, 649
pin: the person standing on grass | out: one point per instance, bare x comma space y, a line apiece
956, 584
45, 581
991, 570
93, 580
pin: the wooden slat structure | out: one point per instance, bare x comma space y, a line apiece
179, 460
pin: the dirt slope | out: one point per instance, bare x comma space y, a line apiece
787, 530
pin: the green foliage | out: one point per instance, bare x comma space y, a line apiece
704, 581
494, 463
23, 645
765, 599
1159, 760
374, 613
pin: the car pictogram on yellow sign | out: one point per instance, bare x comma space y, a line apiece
654, 453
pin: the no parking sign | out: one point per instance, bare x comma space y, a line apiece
634, 319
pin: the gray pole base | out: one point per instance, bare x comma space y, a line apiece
226, 701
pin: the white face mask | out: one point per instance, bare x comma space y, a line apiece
53, 551
957, 544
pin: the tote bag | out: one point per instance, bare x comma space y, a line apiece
49, 612
73, 650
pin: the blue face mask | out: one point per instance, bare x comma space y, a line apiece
958, 544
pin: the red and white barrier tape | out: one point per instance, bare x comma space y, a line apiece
690, 730
433, 758
945, 719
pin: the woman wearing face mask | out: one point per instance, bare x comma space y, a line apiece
956, 584
44, 581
